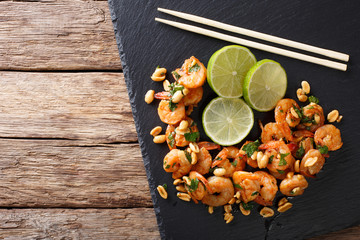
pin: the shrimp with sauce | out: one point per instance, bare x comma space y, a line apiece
293, 185
192, 73
312, 117
286, 111
204, 161
220, 192
312, 163
199, 191
238, 164
176, 162
194, 96
176, 138
249, 185
272, 131
329, 136
268, 188
245, 158
171, 116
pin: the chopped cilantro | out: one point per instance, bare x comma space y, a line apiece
175, 87
165, 186
173, 164
172, 106
271, 158
281, 171
176, 75
292, 192
281, 110
192, 136
322, 149
193, 185
247, 206
167, 166
234, 163
300, 152
313, 99
311, 107
165, 162
194, 68
171, 139
282, 161
218, 158
254, 193
188, 156
297, 111
237, 186
252, 147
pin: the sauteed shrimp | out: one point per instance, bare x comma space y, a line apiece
192, 74
329, 136
224, 189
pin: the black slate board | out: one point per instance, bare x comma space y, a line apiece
331, 201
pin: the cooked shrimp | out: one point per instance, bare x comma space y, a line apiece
204, 161
246, 158
293, 185
312, 118
307, 144
268, 188
208, 145
249, 183
280, 154
328, 135
275, 131
312, 163
284, 112
200, 191
192, 73
193, 97
177, 138
171, 117
222, 189
176, 162
238, 163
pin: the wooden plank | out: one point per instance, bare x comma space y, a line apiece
26, 224
92, 106
57, 35
59, 173
352, 233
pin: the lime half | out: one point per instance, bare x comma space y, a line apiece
227, 121
264, 85
227, 69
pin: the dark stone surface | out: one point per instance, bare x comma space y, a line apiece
331, 201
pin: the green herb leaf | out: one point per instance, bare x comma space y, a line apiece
281, 110
252, 147
282, 161
254, 193
194, 68
165, 186
271, 158
193, 185
171, 139
234, 163
322, 149
175, 87
176, 75
300, 152
237, 186
247, 206
192, 136
281, 171
218, 158
313, 99
172, 106
173, 164
188, 156
311, 107
167, 167
297, 111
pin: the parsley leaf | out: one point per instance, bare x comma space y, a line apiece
237, 186
313, 99
271, 158
300, 152
252, 147
322, 149
280, 171
171, 138
172, 106
193, 185
165, 186
176, 75
167, 167
175, 87
254, 193
194, 68
297, 111
192, 136
188, 156
247, 206
282, 161
234, 163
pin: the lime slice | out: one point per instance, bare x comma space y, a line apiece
227, 121
227, 69
264, 85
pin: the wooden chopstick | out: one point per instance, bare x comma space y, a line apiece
254, 34
260, 46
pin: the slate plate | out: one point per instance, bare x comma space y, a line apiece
331, 201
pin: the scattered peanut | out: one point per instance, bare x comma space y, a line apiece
228, 208
185, 91
339, 118
228, 217
211, 209
317, 118
219, 172
301, 95
266, 212
294, 113
177, 181
311, 161
263, 162
232, 201
194, 158
282, 202
183, 125
289, 174
237, 195
254, 156
333, 116
159, 74
181, 188
295, 191
297, 166
194, 147
178, 95
285, 207
156, 131
159, 139
162, 191
243, 211
305, 87
303, 98
187, 180
149, 96
184, 196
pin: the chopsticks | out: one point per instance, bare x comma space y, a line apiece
260, 46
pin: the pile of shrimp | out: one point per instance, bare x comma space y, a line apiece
290, 150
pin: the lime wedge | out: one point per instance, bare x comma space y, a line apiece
227, 121
227, 69
264, 85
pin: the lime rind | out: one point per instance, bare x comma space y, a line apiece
227, 69
269, 87
227, 121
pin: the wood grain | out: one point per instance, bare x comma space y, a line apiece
66, 224
89, 106
57, 35
60, 173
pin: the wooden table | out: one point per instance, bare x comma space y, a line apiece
70, 164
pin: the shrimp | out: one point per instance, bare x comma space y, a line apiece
204, 161
192, 73
167, 115
280, 155
208, 145
244, 157
200, 191
176, 138
293, 185
249, 185
193, 97
238, 163
312, 163
284, 113
328, 135
268, 188
222, 191
275, 131
176, 162
312, 117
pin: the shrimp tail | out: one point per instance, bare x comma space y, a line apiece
270, 145
208, 145
221, 157
203, 180
162, 95
286, 131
